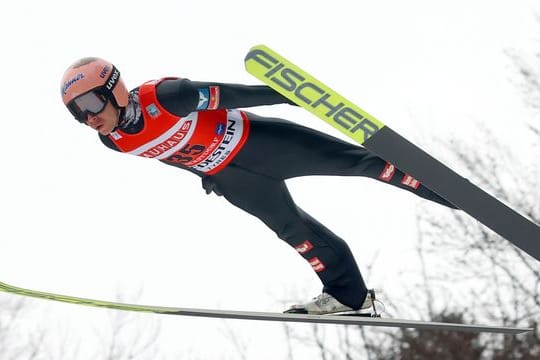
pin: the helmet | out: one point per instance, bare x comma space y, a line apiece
89, 83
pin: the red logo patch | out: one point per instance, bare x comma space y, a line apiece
214, 98
409, 181
316, 264
388, 172
304, 247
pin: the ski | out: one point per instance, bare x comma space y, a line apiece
309, 93
265, 316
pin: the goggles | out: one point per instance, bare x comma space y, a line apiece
94, 101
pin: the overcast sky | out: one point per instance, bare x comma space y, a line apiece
80, 219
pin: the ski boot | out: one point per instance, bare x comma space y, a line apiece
327, 304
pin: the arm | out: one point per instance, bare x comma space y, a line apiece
182, 96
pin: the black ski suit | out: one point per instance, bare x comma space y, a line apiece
277, 150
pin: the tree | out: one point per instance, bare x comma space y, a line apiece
498, 282
14, 344
129, 336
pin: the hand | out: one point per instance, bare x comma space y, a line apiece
210, 186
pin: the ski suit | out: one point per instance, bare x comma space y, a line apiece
249, 167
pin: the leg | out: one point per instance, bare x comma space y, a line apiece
270, 201
283, 150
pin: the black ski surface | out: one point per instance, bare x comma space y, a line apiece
391, 146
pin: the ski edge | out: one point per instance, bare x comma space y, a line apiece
265, 316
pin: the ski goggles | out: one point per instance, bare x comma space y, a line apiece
94, 101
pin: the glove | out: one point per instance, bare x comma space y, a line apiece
210, 186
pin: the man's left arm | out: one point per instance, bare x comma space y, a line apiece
183, 96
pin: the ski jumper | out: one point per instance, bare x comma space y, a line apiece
247, 158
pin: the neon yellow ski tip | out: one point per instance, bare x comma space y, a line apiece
311, 94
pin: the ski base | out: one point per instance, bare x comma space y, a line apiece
266, 316
351, 320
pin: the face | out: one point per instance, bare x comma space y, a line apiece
105, 121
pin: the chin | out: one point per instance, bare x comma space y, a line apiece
104, 132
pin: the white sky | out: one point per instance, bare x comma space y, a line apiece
425, 68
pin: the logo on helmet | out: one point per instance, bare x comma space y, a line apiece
104, 72
71, 81
113, 79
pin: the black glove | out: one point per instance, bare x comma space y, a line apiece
210, 186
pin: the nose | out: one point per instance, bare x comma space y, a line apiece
91, 120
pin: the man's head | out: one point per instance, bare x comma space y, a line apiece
94, 93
